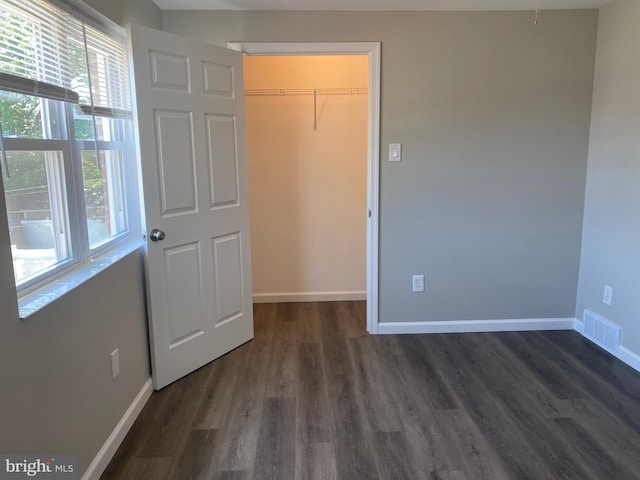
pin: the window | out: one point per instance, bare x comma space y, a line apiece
66, 154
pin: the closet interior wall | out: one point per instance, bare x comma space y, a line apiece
308, 187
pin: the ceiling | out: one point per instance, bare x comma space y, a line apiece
377, 4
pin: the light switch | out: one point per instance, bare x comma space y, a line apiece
395, 152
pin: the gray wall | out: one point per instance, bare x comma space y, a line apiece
611, 236
493, 113
111, 9
57, 394
142, 12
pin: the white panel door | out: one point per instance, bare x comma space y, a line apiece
190, 112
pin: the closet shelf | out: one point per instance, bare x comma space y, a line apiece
290, 92
299, 92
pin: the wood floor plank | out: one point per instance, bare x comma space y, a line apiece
199, 457
218, 392
316, 461
314, 415
353, 318
448, 475
232, 475
533, 394
607, 432
587, 355
137, 438
314, 397
455, 442
377, 398
335, 353
419, 423
542, 367
422, 441
595, 386
423, 371
275, 458
390, 456
440, 439
448, 438
603, 463
308, 322
263, 317
168, 433
282, 373
465, 448
354, 458
498, 425
158, 468
389, 344
241, 428
353, 449
554, 452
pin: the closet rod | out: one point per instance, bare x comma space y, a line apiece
286, 92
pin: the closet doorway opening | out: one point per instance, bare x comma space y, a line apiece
312, 117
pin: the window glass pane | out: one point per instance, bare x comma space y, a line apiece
83, 125
28, 116
21, 115
108, 129
104, 195
36, 211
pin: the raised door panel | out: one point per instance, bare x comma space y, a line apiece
183, 293
229, 282
218, 79
176, 162
170, 72
223, 160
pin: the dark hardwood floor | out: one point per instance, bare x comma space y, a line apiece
314, 397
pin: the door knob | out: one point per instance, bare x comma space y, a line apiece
156, 235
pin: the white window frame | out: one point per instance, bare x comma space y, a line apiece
80, 254
45, 145
72, 191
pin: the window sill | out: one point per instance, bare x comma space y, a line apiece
67, 281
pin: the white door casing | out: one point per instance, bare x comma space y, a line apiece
190, 119
372, 50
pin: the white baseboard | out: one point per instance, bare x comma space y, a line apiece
621, 353
464, 326
108, 450
630, 358
308, 297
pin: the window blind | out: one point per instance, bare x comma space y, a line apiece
109, 72
46, 51
14, 83
37, 43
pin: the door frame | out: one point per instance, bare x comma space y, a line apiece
372, 50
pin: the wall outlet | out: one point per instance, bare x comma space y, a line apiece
418, 283
607, 297
115, 363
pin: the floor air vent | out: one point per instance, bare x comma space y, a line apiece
601, 331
